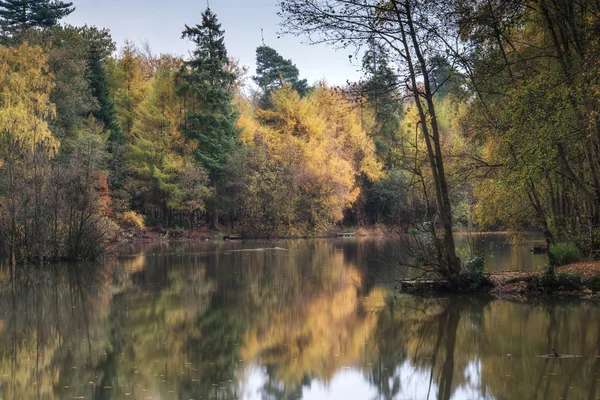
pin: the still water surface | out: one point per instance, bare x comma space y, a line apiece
255, 321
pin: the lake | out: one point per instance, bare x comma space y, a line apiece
298, 319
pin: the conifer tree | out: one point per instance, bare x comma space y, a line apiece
105, 113
157, 147
208, 87
132, 86
16, 16
381, 91
273, 71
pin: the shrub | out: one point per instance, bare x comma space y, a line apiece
565, 253
179, 232
472, 272
569, 280
594, 283
134, 220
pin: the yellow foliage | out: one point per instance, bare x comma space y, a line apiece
134, 220
320, 137
25, 106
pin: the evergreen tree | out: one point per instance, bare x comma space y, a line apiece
208, 87
105, 113
273, 71
16, 16
380, 89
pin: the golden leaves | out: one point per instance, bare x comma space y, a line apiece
25, 106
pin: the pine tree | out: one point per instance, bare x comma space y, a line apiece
16, 16
131, 88
380, 90
273, 71
208, 88
105, 113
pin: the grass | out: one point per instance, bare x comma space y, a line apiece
565, 253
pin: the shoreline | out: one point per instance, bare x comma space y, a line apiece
154, 235
579, 280
157, 235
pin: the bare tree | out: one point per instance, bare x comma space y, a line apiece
410, 31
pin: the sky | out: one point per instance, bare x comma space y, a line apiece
161, 24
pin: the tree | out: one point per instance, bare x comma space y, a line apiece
25, 110
131, 86
17, 16
535, 113
408, 29
207, 85
194, 192
381, 91
106, 114
68, 50
273, 71
308, 156
157, 150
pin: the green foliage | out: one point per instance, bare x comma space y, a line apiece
389, 200
472, 272
208, 86
594, 283
16, 16
381, 93
273, 71
568, 280
565, 253
106, 114
157, 149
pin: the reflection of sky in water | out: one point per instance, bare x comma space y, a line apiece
349, 383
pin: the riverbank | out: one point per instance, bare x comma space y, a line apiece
158, 235
580, 279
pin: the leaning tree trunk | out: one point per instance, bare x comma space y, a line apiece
450, 264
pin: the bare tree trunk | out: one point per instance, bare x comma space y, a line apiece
451, 262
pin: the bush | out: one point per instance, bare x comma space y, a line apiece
594, 283
134, 220
569, 280
472, 272
565, 253
177, 223
179, 232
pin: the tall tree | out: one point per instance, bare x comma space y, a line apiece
157, 146
106, 114
408, 30
207, 85
16, 16
273, 71
131, 86
536, 113
381, 91
25, 110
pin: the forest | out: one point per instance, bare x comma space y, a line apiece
471, 115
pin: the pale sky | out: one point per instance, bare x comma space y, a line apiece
161, 23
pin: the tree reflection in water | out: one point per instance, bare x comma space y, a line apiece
183, 323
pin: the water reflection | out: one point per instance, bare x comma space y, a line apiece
182, 322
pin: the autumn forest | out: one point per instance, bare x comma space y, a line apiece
471, 115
